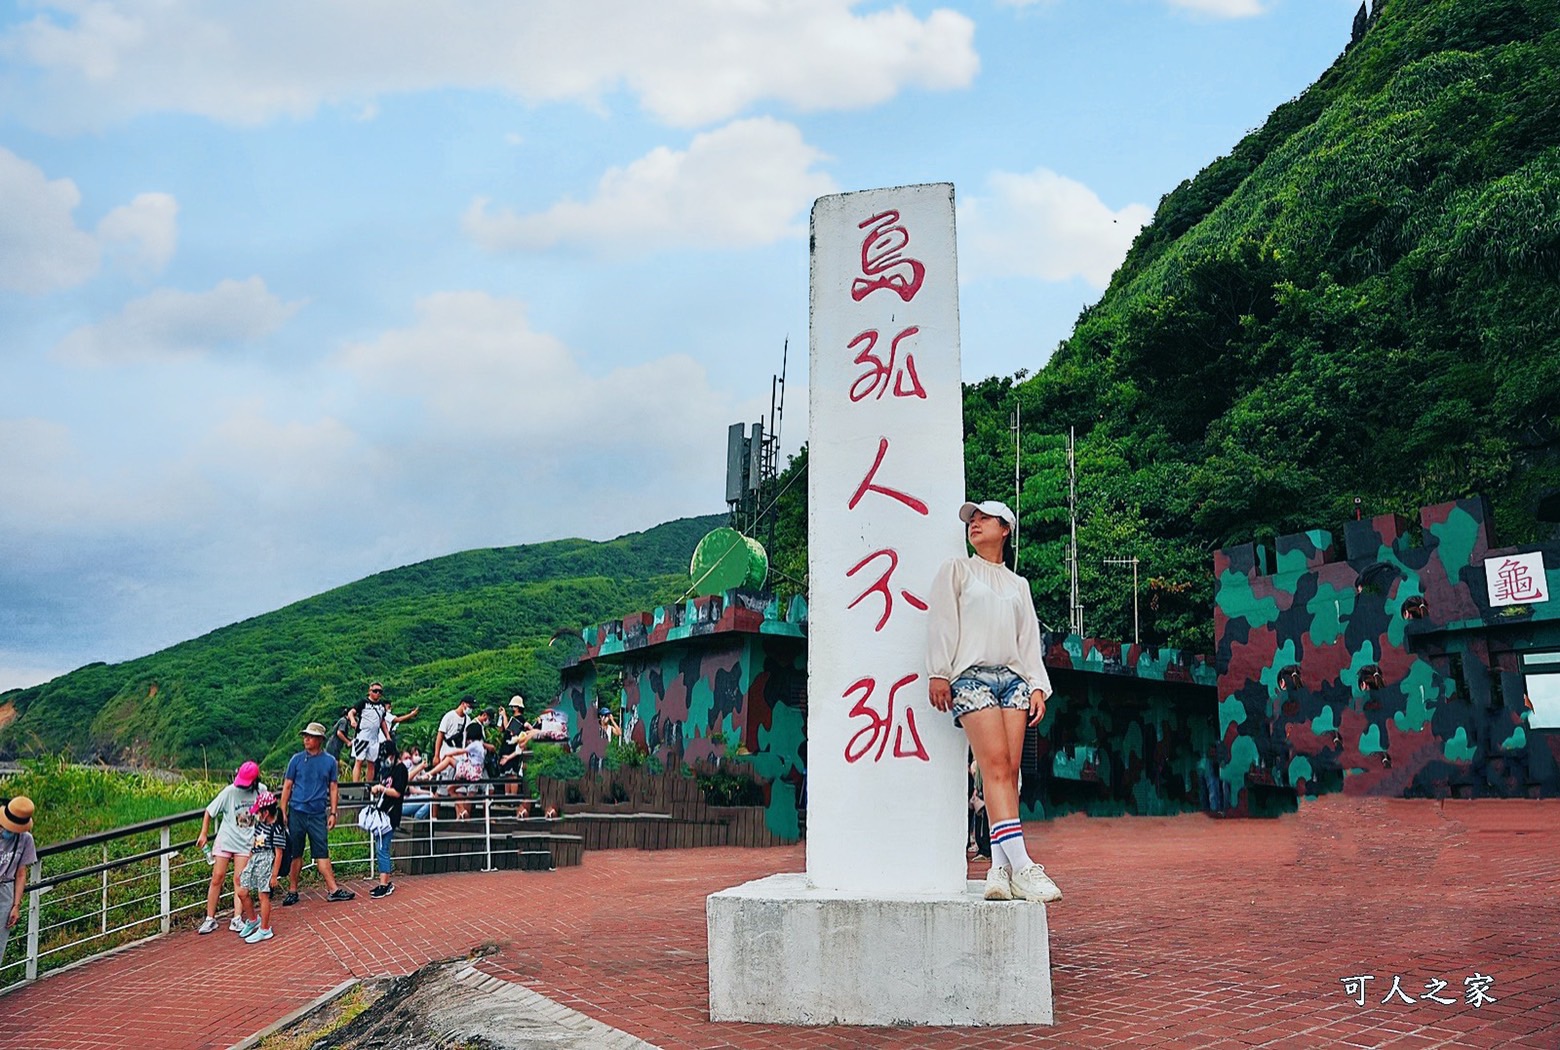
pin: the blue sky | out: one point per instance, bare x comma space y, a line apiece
291, 293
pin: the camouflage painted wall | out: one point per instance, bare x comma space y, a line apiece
1128, 730
715, 678
1380, 669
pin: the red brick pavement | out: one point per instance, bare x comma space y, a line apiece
1176, 932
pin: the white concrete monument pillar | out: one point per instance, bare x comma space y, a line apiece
883, 928
886, 776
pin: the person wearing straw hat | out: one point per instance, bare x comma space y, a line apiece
17, 851
517, 734
311, 797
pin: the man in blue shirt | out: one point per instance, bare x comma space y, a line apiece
310, 796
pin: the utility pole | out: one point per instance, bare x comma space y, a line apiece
1074, 607
1015, 421
1132, 561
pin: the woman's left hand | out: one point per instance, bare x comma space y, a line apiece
1036, 706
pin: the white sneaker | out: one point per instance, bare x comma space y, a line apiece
1033, 884
235, 924
998, 885
209, 926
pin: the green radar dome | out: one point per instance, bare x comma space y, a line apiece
725, 559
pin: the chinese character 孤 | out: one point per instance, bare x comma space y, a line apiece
1514, 583
882, 262
882, 586
878, 375
868, 485
876, 731
1397, 990
1355, 987
1478, 990
1434, 986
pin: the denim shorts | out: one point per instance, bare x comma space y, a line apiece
310, 827
981, 687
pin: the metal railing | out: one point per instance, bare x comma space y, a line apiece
124, 899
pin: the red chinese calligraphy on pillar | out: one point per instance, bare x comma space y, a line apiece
882, 586
880, 375
882, 260
877, 730
868, 484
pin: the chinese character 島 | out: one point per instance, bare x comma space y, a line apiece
882, 262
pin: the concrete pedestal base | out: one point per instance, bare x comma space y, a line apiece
783, 952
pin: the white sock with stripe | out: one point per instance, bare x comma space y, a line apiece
1007, 845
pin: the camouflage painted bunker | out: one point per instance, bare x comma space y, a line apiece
715, 680
1402, 665
1412, 662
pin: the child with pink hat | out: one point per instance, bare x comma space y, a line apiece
234, 840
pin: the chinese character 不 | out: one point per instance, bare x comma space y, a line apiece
876, 731
882, 586
1397, 990
1355, 986
878, 374
1478, 990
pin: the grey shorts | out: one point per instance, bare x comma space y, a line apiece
981, 687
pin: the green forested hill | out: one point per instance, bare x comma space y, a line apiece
477, 622
1361, 299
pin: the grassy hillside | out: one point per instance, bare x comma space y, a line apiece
477, 622
1361, 300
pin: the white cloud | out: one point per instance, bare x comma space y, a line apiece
1222, 8
744, 184
146, 230
1046, 226
689, 62
482, 373
169, 325
40, 247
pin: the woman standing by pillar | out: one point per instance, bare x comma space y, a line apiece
984, 665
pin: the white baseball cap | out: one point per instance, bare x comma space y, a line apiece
991, 507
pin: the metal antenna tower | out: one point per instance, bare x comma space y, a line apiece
752, 462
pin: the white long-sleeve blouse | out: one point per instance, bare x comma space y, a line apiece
982, 614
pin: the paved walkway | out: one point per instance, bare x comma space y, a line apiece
1176, 932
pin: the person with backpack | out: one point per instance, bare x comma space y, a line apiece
376, 727
262, 875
